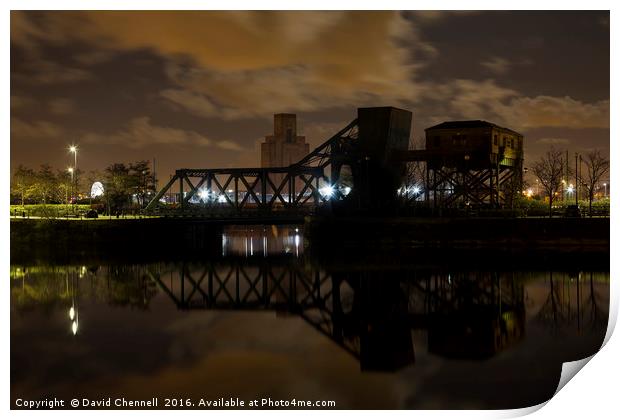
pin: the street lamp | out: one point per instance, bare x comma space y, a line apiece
605, 189
70, 170
73, 149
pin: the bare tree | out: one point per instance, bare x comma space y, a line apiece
597, 166
549, 170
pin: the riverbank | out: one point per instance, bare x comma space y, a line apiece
68, 240
337, 239
539, 233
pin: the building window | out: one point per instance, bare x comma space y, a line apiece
437, 141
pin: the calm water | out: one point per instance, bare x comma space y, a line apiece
264, 320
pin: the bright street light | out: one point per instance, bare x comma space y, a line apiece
327, 191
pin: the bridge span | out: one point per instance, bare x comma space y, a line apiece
345, 168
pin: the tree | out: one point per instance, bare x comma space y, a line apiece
23, 182
597, 167
124, 181
117, 188
142, 181
64, 185
549, 170
45, 186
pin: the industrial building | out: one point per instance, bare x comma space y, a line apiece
472, 163
284, 147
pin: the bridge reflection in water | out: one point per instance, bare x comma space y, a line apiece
369, 314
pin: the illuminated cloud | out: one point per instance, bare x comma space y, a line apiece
22, 101
62, 106
548, 111
472, 99
497, 65
140, 133
303, 61
37, 130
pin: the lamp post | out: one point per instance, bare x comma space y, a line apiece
576, 180
73, 149
70, 170
605, 189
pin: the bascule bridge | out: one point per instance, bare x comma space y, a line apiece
360, 169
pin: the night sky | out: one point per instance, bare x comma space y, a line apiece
199, 89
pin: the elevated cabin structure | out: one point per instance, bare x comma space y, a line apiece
472, 163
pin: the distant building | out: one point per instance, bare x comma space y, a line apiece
284, 147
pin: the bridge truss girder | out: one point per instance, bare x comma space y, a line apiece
294, 188
493, 186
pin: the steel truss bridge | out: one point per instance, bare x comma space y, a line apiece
368, 314
295, 189
360, 168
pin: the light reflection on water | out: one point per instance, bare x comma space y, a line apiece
270, 322
251, 241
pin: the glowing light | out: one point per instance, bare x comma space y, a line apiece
204, 194
327, 191
72, 313
74, 327
70, 170
346, 191
73, 148
297, 245
96, 190
570, 189
415, 190
221, 198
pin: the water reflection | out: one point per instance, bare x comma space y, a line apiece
266, 320
368, 314
262, 240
